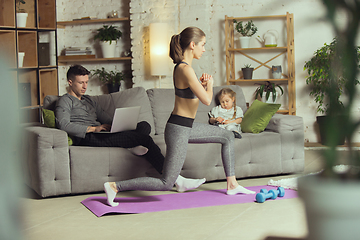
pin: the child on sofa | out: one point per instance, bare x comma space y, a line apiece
227, 115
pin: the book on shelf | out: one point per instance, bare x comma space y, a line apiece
77, 51
70, 57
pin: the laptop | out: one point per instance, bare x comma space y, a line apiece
124, 119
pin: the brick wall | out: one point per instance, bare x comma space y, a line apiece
82, 36
209, 16
178, 15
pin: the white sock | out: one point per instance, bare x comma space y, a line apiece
239, 189
110, 194
184, 184
138, 150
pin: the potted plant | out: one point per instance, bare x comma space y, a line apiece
322, 68
270, 90
331, 198
111, 78
247, 71
108, 36
21, 15
246, 30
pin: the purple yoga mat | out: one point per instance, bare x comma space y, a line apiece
175, 201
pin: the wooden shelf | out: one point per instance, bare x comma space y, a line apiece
8, 47
283, 111
29, 8
46, 14
28, 88
27, 42
46, 85
31, 107
94, 60
7, 14
256, 49
257, 17
259, 80
270, 54
62, 24
31, 80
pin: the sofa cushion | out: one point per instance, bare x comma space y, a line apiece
162, 104
50, 102
49, 121
129, 98
257, 117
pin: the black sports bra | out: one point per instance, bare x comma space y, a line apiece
183, 93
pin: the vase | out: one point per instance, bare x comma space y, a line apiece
244, 42
332, 207
21, 19
108, 50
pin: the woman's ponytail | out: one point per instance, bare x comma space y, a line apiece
176, 52
179, 42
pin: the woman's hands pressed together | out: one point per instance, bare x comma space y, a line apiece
206, 80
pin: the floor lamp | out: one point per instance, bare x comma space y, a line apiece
159, 42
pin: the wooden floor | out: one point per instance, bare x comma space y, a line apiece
316, 144
64, 217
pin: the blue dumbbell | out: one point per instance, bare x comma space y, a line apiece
273, 194
280, 192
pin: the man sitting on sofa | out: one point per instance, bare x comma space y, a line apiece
82, 117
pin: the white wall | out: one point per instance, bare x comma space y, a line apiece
310, 34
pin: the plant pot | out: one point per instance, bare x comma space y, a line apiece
332, 207
323, 126
270, 99
247, 72
276, 72
21, 19
244, 42
21, 56
113, 87
108, 50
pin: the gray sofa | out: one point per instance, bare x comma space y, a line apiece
52, 168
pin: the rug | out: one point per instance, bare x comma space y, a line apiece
291, 183
176, 201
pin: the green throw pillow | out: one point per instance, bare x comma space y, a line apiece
258, 116
49, 120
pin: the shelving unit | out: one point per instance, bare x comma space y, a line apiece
275, 52
75, 60
63, 24
33, 80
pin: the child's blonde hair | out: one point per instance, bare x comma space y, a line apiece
231, 93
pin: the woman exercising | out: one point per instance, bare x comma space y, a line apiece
180, 128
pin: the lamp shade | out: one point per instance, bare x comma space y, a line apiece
159, 45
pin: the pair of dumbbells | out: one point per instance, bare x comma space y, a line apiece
272, 194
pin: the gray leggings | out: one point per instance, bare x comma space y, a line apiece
177, 138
